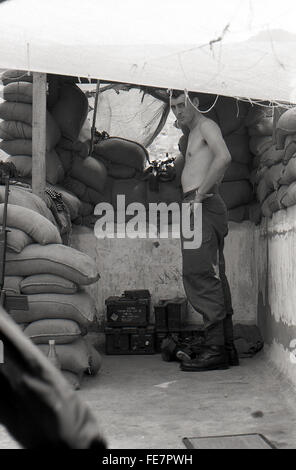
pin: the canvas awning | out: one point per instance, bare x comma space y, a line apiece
242, 49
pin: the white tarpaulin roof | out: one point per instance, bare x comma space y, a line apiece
238, 48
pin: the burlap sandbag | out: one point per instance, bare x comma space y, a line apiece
289, 198
75, 357
262, 190
34, 224
47, 283
123, 152
263, 127
12, 75
132, 189
236, 193
17, 146
23, 112
289, 173
10, 130
290, 148
89, 171
274, 176
20, 92
71, 200
24, 197
54, 168
70, 111
238, 146
260, 144
257, 114
78, 307
272, 156
61, 330
56, 259
12, 284
286, 124
236, 171
17, 240
231, 114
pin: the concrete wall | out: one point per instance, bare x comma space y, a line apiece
275, 251
156, 264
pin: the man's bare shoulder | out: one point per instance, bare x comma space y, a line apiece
208, 125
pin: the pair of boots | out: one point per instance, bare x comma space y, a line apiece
214, 354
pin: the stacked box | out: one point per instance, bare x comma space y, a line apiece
171, 320
127, 324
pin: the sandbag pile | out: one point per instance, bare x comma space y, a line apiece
235, 189
16, 127
52, 277
115, 167
275, 176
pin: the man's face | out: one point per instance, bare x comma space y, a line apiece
183, 110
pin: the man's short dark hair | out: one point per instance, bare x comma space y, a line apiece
177, 93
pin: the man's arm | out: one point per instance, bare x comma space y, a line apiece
222, 158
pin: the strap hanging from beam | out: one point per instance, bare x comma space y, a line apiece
93, 128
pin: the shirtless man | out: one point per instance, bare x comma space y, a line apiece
205, 283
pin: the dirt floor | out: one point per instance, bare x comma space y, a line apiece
142, 402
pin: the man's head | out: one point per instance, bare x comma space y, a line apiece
184, 109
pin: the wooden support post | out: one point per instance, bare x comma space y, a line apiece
39, 134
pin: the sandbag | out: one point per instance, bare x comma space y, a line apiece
34, 224
271, 156
290, 148
258, 174
273, 202
95, 361
81, 149
54, 168
90, 171
118, 171
86, 208
61, 330
12, 284
71, 200
263, 190
78, 307
24, 197
10, 130
74, 357
70, 111
56, 259
286, 124
275, 199
17, 240
273, 176
66, 157
257, 114
289, 173
238, 146
123, 152
17, 146
132, 189
236, 193
231, 114
20, 92
289, 198
11, 75
47, 283
73, 380
236, 171
259, 145
255, 161
262, 127
87, 194
23, 112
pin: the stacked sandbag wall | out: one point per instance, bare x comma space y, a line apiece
115, 168
16, 127
275, 175
230, 114
52, 277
